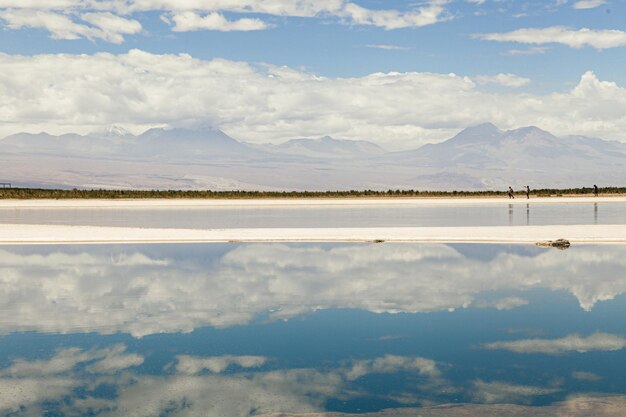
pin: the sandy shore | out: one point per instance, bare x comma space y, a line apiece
299, 202
45, 234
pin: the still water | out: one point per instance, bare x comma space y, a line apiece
326, 216
256, 329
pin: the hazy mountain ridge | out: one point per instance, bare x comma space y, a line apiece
326, 147
479, 157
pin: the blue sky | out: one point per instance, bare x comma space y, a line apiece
512, 48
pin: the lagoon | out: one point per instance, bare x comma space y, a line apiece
350, 214
240, 329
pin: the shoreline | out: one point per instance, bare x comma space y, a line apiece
12, 234
298, 202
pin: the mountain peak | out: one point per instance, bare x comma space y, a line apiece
528, 133
112, 131
483, 128
486, 132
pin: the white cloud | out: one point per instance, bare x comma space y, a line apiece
535, 50
392, 364
599, 39
16, 394
190, 21
507, 303
84, 93
304, 390
586, 376
506, 80
105, 26
588, 4
192, 365
26, 384
59, 17
388, 47
433, 13
499, 392
112, 25
108, 360
148, 294
571, 343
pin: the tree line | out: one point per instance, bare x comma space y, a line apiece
44, 193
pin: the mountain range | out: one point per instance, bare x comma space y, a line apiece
478, 158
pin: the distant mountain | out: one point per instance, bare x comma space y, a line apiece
488, 157
114, 142
189, 144
486, 146
63, 145
479, 157
327, 147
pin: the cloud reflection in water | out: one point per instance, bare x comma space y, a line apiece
145, 290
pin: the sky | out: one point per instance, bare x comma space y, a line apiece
398, 73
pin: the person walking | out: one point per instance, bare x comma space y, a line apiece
511, 193
595, 190
527, 192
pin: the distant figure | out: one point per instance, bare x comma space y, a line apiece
511, 193
595, 190
527, 192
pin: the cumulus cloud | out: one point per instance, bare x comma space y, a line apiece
588, 4
505, 80
278, 391
192, 365
29, 393
599, 39
105, 26
571, 343
27, 384
61, 17
393, 19
190, 21
272, 104
108, 360
498, 392
392, 364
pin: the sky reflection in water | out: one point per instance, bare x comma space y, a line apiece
224, 329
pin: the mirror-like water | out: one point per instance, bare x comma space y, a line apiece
256, 329
326, 216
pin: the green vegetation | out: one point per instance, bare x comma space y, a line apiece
40, 193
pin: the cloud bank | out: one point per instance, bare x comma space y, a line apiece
265, 103
147, 294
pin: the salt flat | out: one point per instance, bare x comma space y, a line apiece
75, 233
57, 234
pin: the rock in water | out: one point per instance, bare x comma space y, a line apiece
559, 243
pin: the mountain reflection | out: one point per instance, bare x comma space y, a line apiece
143, 290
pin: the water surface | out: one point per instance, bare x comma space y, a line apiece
326, 216
253, 329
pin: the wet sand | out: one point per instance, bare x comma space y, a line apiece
46, 234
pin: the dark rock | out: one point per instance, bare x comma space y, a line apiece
559, 244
